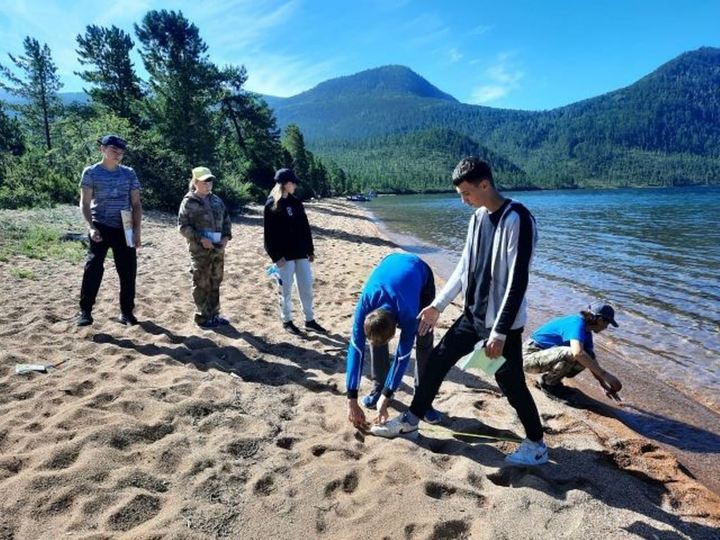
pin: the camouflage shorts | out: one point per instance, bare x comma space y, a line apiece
555, 362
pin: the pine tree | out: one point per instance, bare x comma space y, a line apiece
37, 85
294, 143
184, 85
107, 52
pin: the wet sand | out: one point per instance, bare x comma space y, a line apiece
164, 430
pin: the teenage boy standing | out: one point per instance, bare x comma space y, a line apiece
493, 275
107, 188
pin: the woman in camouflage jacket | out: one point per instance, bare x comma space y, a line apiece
204, 222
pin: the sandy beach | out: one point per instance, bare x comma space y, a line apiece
164, 430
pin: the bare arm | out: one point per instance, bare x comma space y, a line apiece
86, 195
606, 379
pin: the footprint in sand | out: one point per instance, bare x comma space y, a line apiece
243, 448
286, 443
348, 484
140, 509
437, 490
80, 390
142, 480
450, 530
62, 459
265, 486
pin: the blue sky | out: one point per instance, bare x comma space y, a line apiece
510, 54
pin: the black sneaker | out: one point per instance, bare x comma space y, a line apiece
210, 323
313, 325
290, 327
128, 319
220, 320
84, 319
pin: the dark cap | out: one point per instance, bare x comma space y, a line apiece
604, 311
114, 140
283, 176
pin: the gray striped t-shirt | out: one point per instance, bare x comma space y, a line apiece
111, 192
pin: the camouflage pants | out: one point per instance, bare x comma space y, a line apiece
555, 363
207, 274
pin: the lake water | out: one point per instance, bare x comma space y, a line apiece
654, 254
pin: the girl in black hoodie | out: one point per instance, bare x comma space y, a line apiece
288, 242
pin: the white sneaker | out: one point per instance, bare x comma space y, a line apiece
529, 453
396, 427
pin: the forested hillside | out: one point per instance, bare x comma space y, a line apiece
662, 130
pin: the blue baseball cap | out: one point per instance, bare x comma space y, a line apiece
114, 140
605, 311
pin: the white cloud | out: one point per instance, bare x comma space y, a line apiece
487, 93
499, 79
502, 74
234, 30
236, 26
423, 30
283, 76
455, 55
480, 30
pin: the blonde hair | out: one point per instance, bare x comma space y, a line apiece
379, 326
276, 193
191, 187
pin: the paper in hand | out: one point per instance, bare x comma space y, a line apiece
478, 359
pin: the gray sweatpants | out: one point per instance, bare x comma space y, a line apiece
555, 363
298, 272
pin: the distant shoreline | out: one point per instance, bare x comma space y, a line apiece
450, 191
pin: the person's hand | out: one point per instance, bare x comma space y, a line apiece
136, 239
382, 406
428, 319
611, 385
494, 347
224, 242
206, 243
311, 258
95, 235
356, 415
280, 262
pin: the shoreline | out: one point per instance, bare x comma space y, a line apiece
166, 430
651, 408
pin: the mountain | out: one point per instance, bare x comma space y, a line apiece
664, 129
66, 98
386, 81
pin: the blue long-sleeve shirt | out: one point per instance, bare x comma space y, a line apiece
394, 285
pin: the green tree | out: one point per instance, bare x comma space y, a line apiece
37, 85
294, 143
184, 85
106, 52
11, 141
251, 128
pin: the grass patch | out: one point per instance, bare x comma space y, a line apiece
37, 242
22, 273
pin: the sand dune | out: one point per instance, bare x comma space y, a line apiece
164, 430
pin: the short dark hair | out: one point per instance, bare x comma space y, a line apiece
379, 326
472, 169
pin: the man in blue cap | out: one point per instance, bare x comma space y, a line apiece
108, 188
563, 347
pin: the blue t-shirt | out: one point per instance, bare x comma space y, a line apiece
559, 332
111, 192
395, 285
